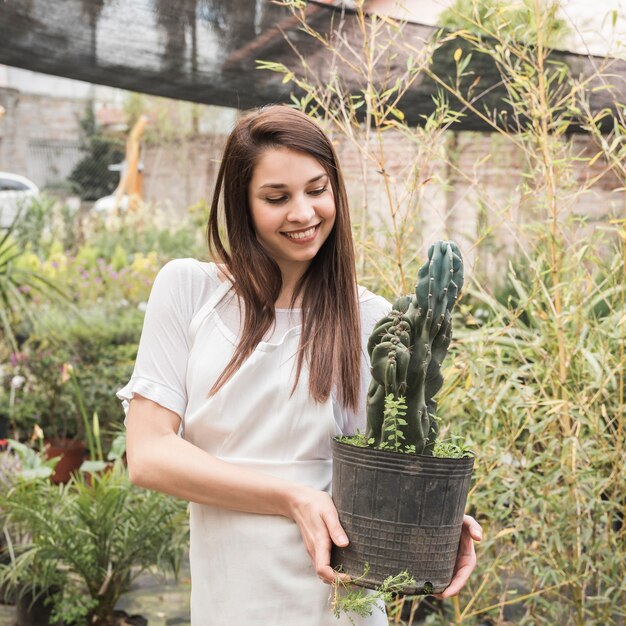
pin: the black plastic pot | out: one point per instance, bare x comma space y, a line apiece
33, 610
401, 512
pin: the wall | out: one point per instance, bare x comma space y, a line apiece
40, 135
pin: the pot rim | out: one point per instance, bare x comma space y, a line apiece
400, 455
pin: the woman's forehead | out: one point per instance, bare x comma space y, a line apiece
283, 167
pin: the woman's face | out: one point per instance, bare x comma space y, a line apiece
293, 208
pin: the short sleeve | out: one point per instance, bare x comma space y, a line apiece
373, 308
161, 366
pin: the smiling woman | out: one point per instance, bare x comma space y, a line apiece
240, 355
292, 219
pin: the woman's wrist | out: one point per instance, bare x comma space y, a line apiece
293, 497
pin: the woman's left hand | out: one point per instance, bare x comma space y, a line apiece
465, 558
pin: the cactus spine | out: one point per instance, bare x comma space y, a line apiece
407, 348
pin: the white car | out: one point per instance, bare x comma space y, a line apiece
15, 192
106, 205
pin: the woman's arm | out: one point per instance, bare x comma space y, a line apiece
159, 459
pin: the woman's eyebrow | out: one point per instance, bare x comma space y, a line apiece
282, 185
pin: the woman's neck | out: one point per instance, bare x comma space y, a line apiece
290, 277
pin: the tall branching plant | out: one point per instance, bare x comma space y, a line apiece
537, 379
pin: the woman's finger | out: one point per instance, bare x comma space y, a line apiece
474, 528
335, 530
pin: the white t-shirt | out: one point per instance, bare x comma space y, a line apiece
180, 289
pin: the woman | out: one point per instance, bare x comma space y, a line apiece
258, 361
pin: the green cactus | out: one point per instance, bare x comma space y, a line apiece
407, 348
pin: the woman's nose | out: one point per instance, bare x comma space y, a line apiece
301, 210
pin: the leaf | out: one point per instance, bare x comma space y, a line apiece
505, 532
92, 467
457, 54
397, 113
595, 158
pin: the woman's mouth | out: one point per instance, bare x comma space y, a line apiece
302, 236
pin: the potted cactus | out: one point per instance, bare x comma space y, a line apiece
399, 492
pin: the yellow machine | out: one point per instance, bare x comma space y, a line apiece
131, 179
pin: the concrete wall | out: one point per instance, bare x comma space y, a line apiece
39, 135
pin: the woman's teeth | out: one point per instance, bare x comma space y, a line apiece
301, 235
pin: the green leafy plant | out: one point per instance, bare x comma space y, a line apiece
16, 282
91, 176
33, 464
348, 598
393, 425
95, 536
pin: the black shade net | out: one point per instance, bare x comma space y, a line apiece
205, 51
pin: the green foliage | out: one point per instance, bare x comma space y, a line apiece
98, 533
16, 281
551, 438
167, 242
349, 598
101, 345
454, 449
392, 431
33, 464
517, 20
537, 378
358, 439
91, 176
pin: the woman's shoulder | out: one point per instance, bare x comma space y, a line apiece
189, 280
372, 308
191, 270
371, 303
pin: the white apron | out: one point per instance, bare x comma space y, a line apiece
251, 569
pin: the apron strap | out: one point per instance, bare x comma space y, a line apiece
207, 308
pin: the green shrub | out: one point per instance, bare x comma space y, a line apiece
91, 538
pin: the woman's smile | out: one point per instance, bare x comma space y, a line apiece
302, 236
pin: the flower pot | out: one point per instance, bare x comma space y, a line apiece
7, 595
72, 453
4, 427
34, 611
400, 512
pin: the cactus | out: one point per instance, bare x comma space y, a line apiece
407, 348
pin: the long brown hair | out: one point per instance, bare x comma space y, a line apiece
331, 337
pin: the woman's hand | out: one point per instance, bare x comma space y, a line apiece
465, 558
316, 516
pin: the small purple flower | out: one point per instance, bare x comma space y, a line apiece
113, 275
25, 289
84, 274
55, 264
18, 357
98, 279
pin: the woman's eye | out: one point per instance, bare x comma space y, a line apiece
276, 200
318, 192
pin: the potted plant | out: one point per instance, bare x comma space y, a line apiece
32, 593
400, 493
98, 534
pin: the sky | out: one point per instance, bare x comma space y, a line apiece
590, 21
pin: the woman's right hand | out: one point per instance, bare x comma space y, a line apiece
316, 516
